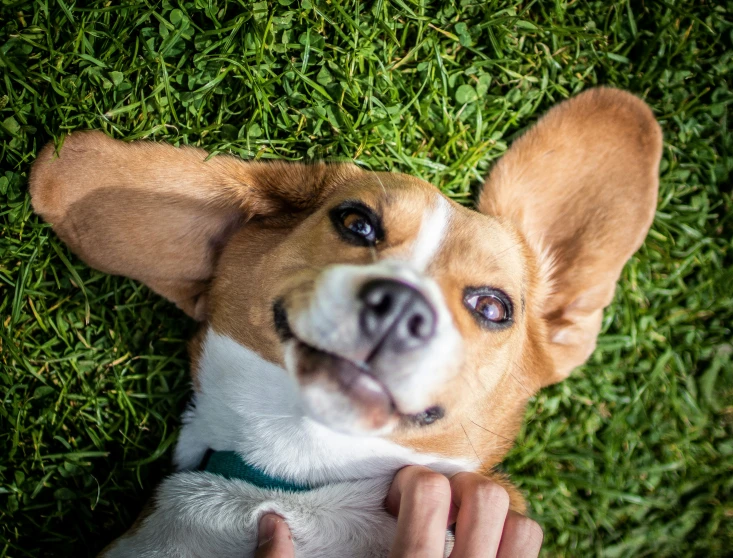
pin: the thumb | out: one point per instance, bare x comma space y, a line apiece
274, 539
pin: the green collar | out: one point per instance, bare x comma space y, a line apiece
230, 465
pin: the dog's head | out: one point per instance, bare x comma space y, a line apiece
397, 311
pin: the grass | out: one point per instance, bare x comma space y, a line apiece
632, 456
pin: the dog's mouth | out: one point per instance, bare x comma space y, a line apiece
340, 393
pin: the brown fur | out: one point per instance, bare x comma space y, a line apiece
562, 212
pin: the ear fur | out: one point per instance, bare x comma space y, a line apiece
160, 214
581, 186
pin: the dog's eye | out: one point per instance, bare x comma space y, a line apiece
357, 223
491, 307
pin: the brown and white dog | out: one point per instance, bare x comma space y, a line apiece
356, 322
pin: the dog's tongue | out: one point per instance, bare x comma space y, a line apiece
364, 389
338, 392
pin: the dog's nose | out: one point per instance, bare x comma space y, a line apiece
395, 316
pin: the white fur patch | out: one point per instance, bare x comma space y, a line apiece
205, 515
432, 231
252, 406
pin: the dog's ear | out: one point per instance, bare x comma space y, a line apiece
160, 214
581, 186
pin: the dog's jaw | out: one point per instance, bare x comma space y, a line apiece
249, 405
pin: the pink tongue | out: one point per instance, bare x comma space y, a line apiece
362, 395
366, 392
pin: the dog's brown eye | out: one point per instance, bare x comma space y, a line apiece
491, 307
358, 224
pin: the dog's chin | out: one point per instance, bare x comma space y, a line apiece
340, 394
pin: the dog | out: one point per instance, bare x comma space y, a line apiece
356, 322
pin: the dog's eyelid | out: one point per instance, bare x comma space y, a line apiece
471, 296
358, 205
352, 206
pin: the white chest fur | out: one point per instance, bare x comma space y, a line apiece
252, 406
249, 405
203, 515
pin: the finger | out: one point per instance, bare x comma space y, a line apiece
422, 500
274, 539
522, 537
482, 509
393, 502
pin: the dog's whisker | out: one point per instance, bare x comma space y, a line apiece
495, 434
530, 421
376, 175
529, 393
472, 447
496, 256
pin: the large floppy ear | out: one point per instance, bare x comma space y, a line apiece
160, 214
581, 186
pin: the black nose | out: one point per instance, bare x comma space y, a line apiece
396, 316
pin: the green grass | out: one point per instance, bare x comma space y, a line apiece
632, 456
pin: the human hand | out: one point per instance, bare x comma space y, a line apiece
426, 502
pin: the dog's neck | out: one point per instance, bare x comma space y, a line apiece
251, 406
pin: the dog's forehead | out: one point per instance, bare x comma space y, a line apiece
437, 235
482, 250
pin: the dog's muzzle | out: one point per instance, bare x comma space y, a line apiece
354, 374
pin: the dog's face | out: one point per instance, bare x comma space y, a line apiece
393, 307
397, 311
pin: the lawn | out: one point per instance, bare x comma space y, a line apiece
632, 456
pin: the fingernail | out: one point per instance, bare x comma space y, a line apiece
266, 532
